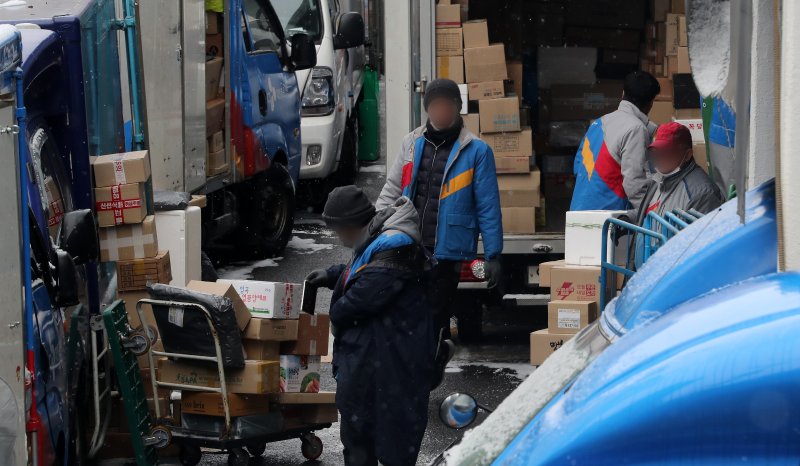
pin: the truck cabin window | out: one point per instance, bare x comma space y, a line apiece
301, 17
261, 33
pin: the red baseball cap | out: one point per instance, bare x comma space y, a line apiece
672, 135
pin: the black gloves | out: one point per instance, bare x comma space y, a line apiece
320, 279
493, 271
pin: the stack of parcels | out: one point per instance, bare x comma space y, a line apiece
574, 282
450, 46
216, 161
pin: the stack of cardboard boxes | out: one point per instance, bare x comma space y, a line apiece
574, 283
216, 162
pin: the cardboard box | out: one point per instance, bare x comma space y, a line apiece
583, 236
677, 6
216, 163
298, 416
622, 39
448, 16
473, 123
120, 204
579, 102
575, 283
485, 64
510, 165
515, 73
476, 34
696, 128
130, 298
673, 41
544, 343
257, 377
216, 142
123, 168
688, 114
269, 300
262, 350
271, 329
135, 274
451, 68
659, 9
570, 316
220, 288
300, 374
700, 156
215, 45
516, 144
215, 111
213, 22
683, 36
127, 242
213, 76
519, 220
449, 42
661, 112
666, 90
312, 336
210, 404
683, 61
487, 90
500, 115
319, 398
545, 268
520, 190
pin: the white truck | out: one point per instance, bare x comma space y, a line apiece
330, 92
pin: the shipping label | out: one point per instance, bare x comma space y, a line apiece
569, 319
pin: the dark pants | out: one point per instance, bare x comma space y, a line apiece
442, 286
362, 448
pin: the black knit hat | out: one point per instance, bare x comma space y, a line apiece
442, 88
348, 206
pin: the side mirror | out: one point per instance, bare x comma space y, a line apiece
349, 31
458, 410
78, 236
304, 52
67, 285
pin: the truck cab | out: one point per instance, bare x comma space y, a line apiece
330, 90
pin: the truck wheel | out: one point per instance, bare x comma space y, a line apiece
266, 213
469, 313
347, 173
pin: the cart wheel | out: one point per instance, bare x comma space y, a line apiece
161, 436
190, 455
137, 343
257, 449
238, 457
152, 333
311, 446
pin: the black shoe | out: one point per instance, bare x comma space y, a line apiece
444, 353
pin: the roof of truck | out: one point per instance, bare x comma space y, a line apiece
19, 11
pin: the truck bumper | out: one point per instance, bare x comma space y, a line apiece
324, 134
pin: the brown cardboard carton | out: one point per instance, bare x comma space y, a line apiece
120, 204
216, 142
213, 75
216, 163
666, 90
545, 269
500, 115
272, 329
448, 16
476, 34
485, 64
661, 112
700, 156
210, 404
127, 242
688, 114
575, 283
570, 316
130, 298
312, 336
672, 42
515, 73
215, 110
516, 144
519, 220
473, 123
683, 61
677, 6
303, 415
544, 343
511, 165
659, 8
451, 68
571, 102
214, 45
303, 398
212, 22
487, 90
683, 37
449, 42
257, 377
520, 190
262, 350
226, 290
123, 168
133, 275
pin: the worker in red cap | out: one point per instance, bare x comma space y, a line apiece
678, 182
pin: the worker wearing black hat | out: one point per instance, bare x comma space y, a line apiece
383, 346
449, 174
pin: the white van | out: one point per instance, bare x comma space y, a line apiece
330, 90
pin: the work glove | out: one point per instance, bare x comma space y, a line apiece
493, 271
319, 278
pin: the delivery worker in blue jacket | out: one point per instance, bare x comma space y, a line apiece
383, 350
449, 175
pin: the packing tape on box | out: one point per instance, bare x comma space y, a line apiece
137, 241
117, 204
588, 226
119, 169
445, 67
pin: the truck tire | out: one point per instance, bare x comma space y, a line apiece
469, 315
266, 214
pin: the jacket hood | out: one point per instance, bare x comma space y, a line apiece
464, 137
628, 107
402, 217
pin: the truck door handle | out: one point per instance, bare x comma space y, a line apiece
542, 248
262, 101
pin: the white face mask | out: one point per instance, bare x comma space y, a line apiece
670, 173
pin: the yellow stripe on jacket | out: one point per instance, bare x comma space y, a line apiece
457, 183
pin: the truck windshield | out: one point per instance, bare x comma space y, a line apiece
300, 16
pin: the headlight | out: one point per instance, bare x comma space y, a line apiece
318, 98
314, 154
